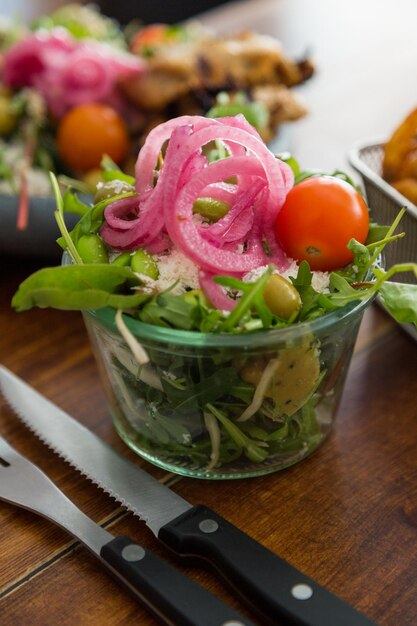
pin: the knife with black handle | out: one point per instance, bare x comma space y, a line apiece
262, 578
168, 594
266, 580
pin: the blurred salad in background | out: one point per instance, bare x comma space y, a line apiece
75, 86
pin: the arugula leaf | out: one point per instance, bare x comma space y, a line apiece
376, 232
342, 293
78, 287
252, 449
309, 296
250, 297
171, 311
401, 301
361, 259
207, 390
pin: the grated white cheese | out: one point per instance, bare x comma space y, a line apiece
321, 281
119, 186
176, 266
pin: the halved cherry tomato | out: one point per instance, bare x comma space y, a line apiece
318, 219
89, 131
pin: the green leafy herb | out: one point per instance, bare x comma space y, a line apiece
171, 311
256, 113
78, 287
210, 389
251, 296
400, 300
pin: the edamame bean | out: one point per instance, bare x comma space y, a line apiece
112, 188
281, 297
123, 260
210, 208
91, 249
144, 263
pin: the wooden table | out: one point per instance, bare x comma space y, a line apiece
347, 516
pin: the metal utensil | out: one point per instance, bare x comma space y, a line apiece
167, 593
268, 582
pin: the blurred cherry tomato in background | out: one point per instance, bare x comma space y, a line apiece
148, 37
320, 216
89, 131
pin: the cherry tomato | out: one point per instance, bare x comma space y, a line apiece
150, 37
89, 131
318, 219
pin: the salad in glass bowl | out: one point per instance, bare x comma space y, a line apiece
222, 289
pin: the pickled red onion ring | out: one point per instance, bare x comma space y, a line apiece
236, 224
148, 156
116, 211
163, 213
187, 235
223, 192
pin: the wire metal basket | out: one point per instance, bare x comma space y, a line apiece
385, 202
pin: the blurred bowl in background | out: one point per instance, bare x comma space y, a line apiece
40, 235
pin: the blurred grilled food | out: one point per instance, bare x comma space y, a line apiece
185, 73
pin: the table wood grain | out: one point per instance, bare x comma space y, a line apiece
347, 516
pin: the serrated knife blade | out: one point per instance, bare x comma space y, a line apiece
269, 583
113, 473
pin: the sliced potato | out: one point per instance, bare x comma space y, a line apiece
295, 376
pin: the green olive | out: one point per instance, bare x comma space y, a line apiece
112, 188
210, 208
91, 249
8, 118
144, 263
123, 260
281, 297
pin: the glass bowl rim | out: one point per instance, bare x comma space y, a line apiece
260, 338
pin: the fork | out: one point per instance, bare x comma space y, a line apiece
167, 593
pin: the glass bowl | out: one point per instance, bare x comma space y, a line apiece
183, 410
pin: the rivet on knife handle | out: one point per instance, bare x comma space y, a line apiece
264, 579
